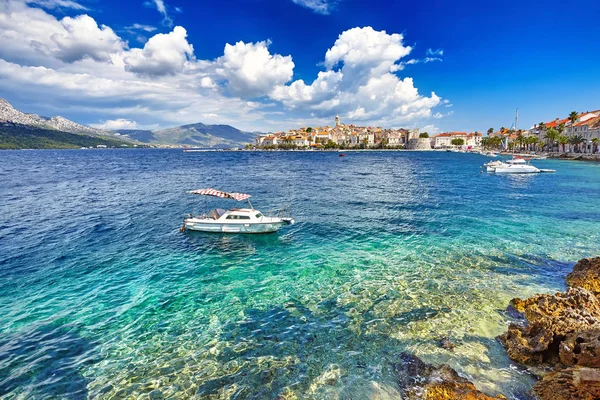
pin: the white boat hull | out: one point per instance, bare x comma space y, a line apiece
202, 225
516, 169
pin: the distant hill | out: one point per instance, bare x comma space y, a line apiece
198, 135
195, 135
49, 131
18, 136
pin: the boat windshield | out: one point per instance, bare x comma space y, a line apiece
216, 213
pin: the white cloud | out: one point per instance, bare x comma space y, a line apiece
119, 123
161, 8
207, 82
318, 6
163, 54
431, 129
32, 36
365, 52
82, 38
146, 28
435, 53
251, 70
51, 4
75, 66
361, 82
323, 88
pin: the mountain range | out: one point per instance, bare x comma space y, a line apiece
9, 114
197, 135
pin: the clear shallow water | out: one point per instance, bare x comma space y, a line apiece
101, 296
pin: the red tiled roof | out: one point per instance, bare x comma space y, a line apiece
590, 122
556, 122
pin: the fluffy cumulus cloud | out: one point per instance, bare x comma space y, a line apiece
79, 66
119, 123
82, 37
250, 70
163, 54
31, 35
361, 81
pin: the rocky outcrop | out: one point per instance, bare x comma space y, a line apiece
418, 380
577, 383
586, 274
562, 331
551, 318
582, 349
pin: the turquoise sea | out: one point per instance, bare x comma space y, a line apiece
101, 295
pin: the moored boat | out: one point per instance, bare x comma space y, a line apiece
235, 220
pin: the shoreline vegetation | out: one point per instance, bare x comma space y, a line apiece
17, 137
555, 337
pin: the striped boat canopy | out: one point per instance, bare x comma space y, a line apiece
219, 193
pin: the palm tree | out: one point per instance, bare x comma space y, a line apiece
490, 131
573, 118
563, 140
576, 141
552, 136
595, 141
560, 128
542, 126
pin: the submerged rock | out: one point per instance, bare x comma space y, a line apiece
586, 274
418, 380
550, 319
573, 383
447, 344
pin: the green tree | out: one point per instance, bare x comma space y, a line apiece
424, 135
563, 140
309, 129
576, 141
542, 126
490, 131
595, 142
552, 136
330, 145
573, 117
457, 141
560, 128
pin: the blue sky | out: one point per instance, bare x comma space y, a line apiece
277, 64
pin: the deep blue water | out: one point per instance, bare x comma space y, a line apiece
102, 296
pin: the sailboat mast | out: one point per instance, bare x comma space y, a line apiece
515, 141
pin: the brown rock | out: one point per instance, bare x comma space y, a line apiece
574, 383
581, 348
586, 274
424, 381
551, 318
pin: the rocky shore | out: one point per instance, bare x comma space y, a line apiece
560, 336
575, 156
558, 339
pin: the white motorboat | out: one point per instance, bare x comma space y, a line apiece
510, 168
235, 220
514, 166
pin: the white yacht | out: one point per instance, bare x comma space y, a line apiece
235, 220
514, 166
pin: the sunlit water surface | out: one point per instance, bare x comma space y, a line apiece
102, 296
